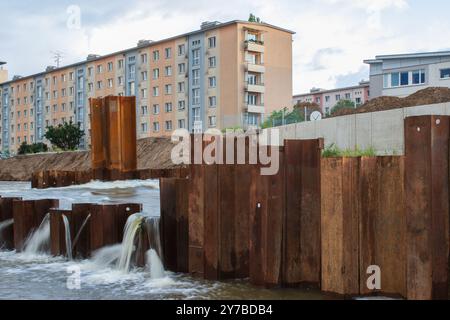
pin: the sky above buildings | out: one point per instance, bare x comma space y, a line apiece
332, 38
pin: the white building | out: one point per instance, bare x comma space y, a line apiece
404, 74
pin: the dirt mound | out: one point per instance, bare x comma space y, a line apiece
423, 97
153, 153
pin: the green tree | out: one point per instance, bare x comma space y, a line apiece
32, 148
343, 104
65, 137
253, 18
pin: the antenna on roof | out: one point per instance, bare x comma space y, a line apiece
57, 56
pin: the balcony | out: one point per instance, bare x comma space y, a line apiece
255, 87
254, 46
255, 108
257, 68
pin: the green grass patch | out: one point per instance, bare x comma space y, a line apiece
332, 151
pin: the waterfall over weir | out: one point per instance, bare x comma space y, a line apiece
38, 241
133, 225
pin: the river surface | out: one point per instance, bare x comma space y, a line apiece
39, 276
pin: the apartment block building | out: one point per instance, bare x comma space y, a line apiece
223, 75
327, 99
404, 74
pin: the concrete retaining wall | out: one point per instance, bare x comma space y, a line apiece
383, 130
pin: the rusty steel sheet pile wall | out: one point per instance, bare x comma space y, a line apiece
92, 226
6, 213
113, 143
28, 216
363, 224
237, 218
427, 206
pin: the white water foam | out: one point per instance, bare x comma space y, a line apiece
39, 240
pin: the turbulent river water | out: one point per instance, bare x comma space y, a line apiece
39, 276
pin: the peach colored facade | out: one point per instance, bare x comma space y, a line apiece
224, 75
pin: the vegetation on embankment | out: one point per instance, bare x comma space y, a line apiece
333, 151
153, 153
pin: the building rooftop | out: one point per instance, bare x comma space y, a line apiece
379, 59
205, 26
316, 90
2, 63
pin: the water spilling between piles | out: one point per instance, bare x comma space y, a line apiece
38, 241
68, 237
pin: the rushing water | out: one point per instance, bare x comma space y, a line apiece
34, 275
38, 241
67, 237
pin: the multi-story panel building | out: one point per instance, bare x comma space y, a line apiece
404, 74
222, 75
327, 99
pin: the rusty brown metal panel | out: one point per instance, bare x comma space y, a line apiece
426, 191
259, 207
57, 231
113, 128
98, 156
339, 228
23, 222
351, 225
310, 211
292, 273
273, 226
182, 224
79, 217
128, 133
168, 222
6, 213
96, 227
212, 222
124, 211
243, 206
226, 220
391, 226
368, 219
196, 221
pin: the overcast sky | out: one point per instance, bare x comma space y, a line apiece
332, 37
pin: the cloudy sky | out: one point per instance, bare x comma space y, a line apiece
332, 38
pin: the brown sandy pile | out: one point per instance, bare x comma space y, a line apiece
426, 96
153, 153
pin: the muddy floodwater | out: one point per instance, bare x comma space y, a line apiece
40, 276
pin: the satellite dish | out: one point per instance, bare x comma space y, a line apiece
315, 116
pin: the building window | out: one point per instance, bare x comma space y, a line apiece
99, 85
144, 58
156, 109
212, 42
404, 78
212, 101
181, 87
181, 68
110, 83
358, 101
327, 98
120, 64
156, 91
181, 105
144, 110
445, 73
155, 126
144, 127
168, 107
156, 55
120, 81
168, 52
168, 89
212, 62
195, 77
212, 121
168, 71
196, 57
155, 74
338, 97
99, 68
181, 49
182, 124
144, 93
348, 96
196, 96
168, 125
110, 66
144, 75
212, 82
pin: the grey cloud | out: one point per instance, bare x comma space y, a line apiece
318, 62
352, 79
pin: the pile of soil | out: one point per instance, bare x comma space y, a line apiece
426, 96
153, 153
